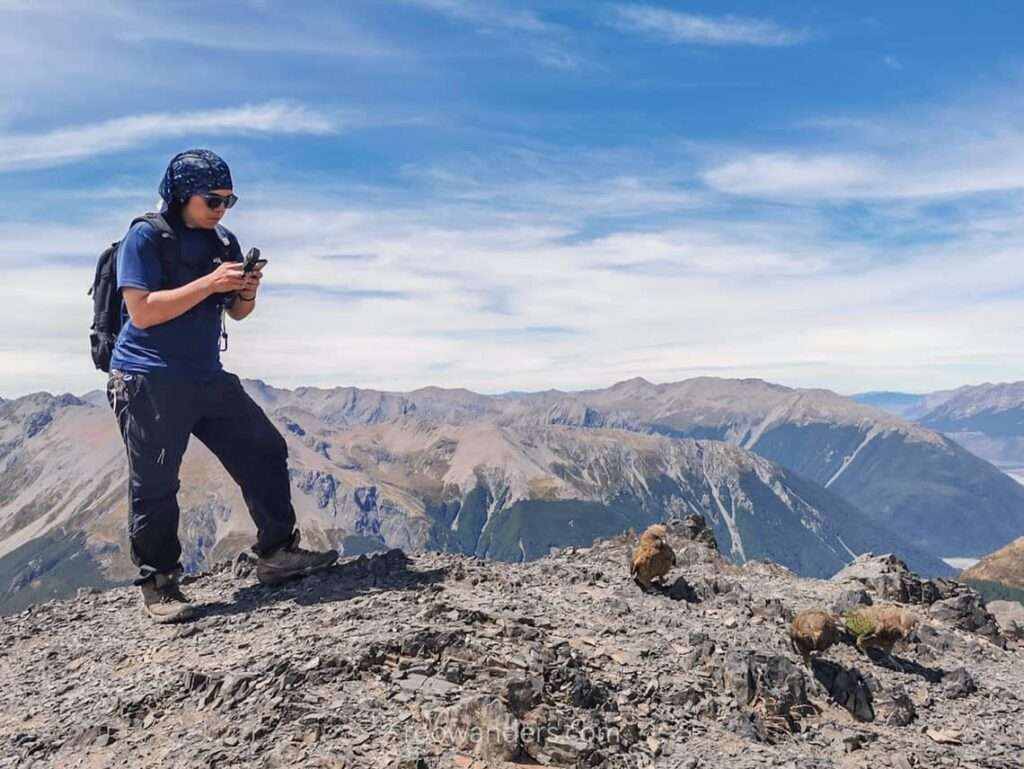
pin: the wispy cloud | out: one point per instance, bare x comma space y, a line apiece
924, 152
555, 57
524, 333
335, 292
297, 29
486, 14
788, 174
67, 145
566, 183
678, 27
350, 257
541, 40
78, 62
239, 26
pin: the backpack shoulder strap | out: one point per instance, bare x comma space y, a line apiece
227, 241
168, 244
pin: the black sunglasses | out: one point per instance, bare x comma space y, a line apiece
213, 202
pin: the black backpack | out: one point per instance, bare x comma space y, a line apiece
106, 297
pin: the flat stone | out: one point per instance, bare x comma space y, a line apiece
945, 736
413, 682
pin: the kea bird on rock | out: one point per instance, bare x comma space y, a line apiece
653, 557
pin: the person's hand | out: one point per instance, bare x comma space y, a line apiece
228, 277
251, 284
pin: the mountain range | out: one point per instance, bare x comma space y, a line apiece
986, 419
915, 481
803, 477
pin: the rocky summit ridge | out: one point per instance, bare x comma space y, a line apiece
437, 659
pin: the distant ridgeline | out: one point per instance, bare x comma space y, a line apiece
802, 477
987, 420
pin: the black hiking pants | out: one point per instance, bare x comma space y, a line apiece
156, 413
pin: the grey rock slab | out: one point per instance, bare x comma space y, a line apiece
967, 611
1010, 617
887, 577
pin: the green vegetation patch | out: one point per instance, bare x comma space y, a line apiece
996, 591
858, 625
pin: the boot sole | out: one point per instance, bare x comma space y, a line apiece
287, 576
170, 619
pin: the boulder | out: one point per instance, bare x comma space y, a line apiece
850, 600
846, 687
966, 611
481, 725
896, 709
959, 683
1009, 616
888, 578
693, 528
567, 749
693, 541
770, 608
522, 693
681, 590
772, 688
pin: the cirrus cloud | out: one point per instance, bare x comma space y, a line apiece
67, 145
678, 27
788, 173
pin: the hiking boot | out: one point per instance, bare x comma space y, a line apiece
163, 599
292, 561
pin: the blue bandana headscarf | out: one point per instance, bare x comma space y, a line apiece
194, 172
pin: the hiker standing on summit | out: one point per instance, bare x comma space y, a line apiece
166, 383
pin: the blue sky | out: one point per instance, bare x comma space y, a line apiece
524, 195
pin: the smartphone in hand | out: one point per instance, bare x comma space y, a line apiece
253, 261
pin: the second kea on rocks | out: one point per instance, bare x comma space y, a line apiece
814, 631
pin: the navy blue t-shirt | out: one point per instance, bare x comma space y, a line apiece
190, 343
